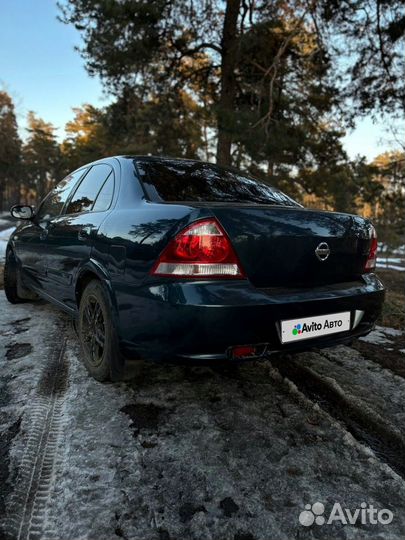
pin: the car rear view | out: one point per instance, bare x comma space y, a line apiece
247, 270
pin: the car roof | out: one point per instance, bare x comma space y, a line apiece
162, 158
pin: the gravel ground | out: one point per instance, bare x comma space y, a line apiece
194, 452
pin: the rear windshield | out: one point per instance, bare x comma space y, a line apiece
172, 180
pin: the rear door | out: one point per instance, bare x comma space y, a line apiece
71, 237
32, 239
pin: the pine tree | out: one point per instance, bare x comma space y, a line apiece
41, 156
10, 153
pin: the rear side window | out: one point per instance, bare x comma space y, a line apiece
175, 180
86, 193
104, 198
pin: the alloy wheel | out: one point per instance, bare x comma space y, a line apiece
93, 330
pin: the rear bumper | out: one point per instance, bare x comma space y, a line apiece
202, 320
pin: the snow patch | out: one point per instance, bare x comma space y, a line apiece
383, 248
391, 267
4, 236
381, 335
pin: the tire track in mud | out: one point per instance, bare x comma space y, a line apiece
391, 359
363, 423
28, 507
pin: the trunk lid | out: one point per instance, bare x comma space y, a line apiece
276, 245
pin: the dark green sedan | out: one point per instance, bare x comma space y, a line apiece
163, 259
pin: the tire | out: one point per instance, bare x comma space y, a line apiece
98, 337
11, 279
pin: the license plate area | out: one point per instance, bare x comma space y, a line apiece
294, 330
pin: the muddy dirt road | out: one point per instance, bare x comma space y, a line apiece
198, 452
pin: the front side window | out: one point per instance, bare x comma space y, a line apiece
53, 203
176, 180
86, 193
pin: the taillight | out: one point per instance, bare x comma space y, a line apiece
372, 255
201, 250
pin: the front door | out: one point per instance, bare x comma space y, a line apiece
71, 236
31, 240
29, 246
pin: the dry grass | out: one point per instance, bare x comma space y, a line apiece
393, 314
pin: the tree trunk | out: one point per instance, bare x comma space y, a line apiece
229, 45
1, 195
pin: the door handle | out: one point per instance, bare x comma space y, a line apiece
84, 233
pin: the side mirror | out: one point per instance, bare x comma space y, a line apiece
20, 211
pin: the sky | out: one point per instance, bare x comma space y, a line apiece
42, 72
38, 64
